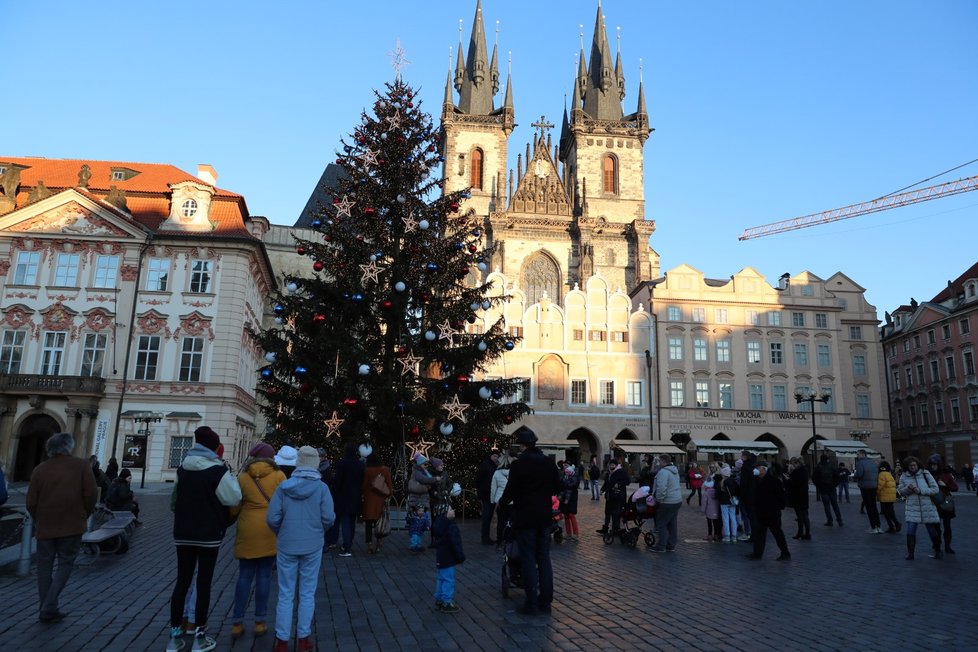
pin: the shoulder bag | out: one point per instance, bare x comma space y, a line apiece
383, 526
380, 485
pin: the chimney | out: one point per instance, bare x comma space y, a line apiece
207, 173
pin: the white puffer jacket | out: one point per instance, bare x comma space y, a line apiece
920, 507
499, 480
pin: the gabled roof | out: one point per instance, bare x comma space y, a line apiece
956, 287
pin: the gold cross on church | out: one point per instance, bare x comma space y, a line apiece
543, 125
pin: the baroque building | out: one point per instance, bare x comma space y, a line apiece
126, 294
930, 366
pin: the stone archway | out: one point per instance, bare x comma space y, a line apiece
33, 432
588, 445
782, 449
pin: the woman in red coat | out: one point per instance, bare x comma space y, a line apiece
696, 485
374, 502
945, 481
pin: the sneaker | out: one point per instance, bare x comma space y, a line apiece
657, 549
261, 628
48, 619
345, 553
439, 604
202, 642
603, 530
783, 557
449, 608
175, 644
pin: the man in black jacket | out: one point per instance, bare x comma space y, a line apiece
483, 486
533, 481
745, 491
768, 503
826, 480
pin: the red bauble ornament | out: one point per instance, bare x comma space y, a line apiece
454, 206
350, 402
301, 251
369, 210
318, 266
319, 319
414, 431
507, 419
473, 248
387, 305
381, 161
410, 105
462, 379
328, 238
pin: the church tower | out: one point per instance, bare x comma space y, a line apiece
476, 133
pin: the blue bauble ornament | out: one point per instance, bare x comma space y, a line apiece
459, 246
357, 298
432, 267
509, 346
266, 373
497, 393
347, 149
300, 370
316, 224
401, 408
466, 194
279, 308
446, 368
476, 232
446, 428
485, 393
446, 386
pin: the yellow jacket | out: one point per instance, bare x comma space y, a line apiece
254, 539
886, 487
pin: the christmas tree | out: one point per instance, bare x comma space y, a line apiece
377, 346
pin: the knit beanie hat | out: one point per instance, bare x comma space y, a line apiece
125, 473
207, 438
725, 470
308, 457
263, 450
287, 456
420, 459
436, 463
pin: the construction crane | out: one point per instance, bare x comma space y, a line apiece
855, 210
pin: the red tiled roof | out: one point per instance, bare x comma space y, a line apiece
957, 286
147, 193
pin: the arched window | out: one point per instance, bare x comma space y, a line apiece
541, 275
475, 169
609, 256
609, 173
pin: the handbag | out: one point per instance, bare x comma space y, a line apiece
380, 485
944, 503
383, 526
415, 487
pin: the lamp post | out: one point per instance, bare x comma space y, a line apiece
648, 376
812, 398
145, 418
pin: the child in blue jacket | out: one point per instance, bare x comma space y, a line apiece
418, 522
448, 554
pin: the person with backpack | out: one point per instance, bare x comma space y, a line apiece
826, 479
595, 472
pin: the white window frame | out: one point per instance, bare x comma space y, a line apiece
798, 320
720, 315
753, 318
106, 271
855, 332
147, 357
702, 390
200, 277
862, 407
66, 270
779, 398
774, 318
677, 393
821, 320
674, 313
701, 349
93, 354
725, 392
858, 365
53, 353
675, 348
12, 351
583, 381
634, 393
191, 359
606, 393
753, 352
823, 355
25, 273
801, 354
699, 315
723, 350
189, 208
756, 393
777, 352
157, 274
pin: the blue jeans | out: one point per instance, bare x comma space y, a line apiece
416, 542
538, 573
303, 569
259, 572
828, 498
728, 515
445, 584
595, 490
844, 489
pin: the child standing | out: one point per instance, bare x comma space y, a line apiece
448, 554
418, 523
711, 508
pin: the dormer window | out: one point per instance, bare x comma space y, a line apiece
118, 175
189, 208
122, 174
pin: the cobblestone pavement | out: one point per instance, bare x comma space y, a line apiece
846, 589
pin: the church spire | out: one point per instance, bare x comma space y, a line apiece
475, 94
641, 93
603, 93
494, 66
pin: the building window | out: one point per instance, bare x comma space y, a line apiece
700, 350
862, 406
930, 337
677, 393
916, 342
147, 357
757, 397
829, 405
855, 332
909, 375
753, 351
935, 375
946, 331
157, 274
821, 320
11, 351
753, 318
801, 355
93, 354
969, 363
200, 277
896, 379
913, 416
191, 359
578, 335
597, 336
824, 354
699, 315
726, 395
606, 389
105, 271
702, 393
723, 351
578, 392
609, 174
906, 346
633, 393
955, 411
516, 331
53, 353
779, 397
949, 367
973, 409
899, 416
179, 446
924, 416
939, 413
774, 318
619, 336
475, 169
798, 319
675, 348
118, 175
777, 353
964, 327
720, 315
920, 373
26, 271
189, 208
674, 313
522, 393
807, 291
66, 273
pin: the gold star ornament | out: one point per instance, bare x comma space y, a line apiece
370, 272
333, 425
343, 207
455, 409
409, 362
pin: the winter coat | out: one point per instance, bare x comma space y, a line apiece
3, 489
746, 481
920, 507
726, 490
568, 493
61, 497
201, 499
825, 477
866, 473
448, 542
666, 489
796, 489
423, 481
533, 481
300, 513
483, 479
441, 499
120, 497
949, 485
373, 502
499, 480
253, 539
112, 471
347, 486
615, 489
768, 497
711, 503
886, 487
694, 482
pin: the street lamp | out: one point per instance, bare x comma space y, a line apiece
812, 398
145, 418
648, 376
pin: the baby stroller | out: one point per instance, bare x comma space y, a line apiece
512, 564
637, 511
556, 529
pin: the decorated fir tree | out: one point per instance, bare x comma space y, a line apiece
375, 347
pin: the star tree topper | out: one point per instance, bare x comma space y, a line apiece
333, 425
455, 409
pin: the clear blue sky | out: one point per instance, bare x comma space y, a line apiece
762, 110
